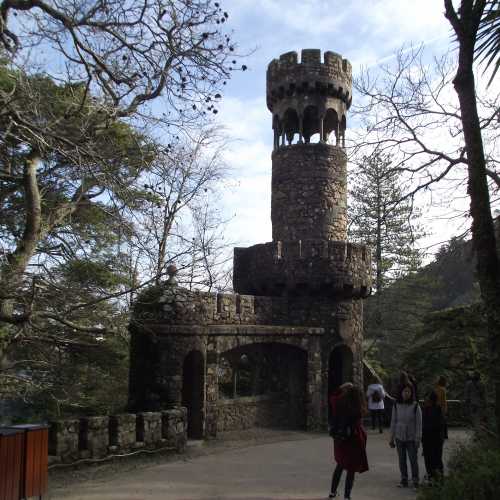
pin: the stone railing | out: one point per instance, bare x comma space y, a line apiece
71, 440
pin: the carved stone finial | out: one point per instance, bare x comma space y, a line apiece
172, 271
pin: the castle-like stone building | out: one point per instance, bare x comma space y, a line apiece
269, 354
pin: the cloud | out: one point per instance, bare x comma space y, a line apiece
247, 194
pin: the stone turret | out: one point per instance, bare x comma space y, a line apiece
310, 97
309, 253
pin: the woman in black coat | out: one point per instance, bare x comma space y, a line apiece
433, 433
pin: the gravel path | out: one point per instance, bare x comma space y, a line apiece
257, 465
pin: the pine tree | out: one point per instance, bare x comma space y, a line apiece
382, 219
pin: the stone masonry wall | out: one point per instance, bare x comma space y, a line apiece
309, 193
321, 267
178, 306
97, 437
248, 412
286, 76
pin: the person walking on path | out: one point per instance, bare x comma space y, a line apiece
433, 434
406, 433
347, 405
376, 395
440, 390
474, 398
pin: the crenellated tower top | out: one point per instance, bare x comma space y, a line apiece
309, 97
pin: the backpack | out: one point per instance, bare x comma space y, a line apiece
376, 397
341, 428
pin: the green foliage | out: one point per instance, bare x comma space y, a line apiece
381, 218
406, 325
474, 474
452, 343
488, 38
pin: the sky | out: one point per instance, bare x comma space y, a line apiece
365, 32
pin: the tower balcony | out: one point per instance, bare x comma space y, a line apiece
310, 267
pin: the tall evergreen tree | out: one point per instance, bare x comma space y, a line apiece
388, 223
383, 219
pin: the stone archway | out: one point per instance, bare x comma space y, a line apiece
262, 384
193, 391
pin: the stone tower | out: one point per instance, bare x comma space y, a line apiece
309, 253
268, 354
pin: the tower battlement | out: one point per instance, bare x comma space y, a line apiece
287, 76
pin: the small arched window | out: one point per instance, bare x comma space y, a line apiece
291, 124
331, 124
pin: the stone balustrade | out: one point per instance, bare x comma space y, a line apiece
97, 437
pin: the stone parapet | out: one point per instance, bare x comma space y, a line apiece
100, 436
334, 268
197, 311
287, 76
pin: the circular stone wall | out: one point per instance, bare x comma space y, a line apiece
309, 193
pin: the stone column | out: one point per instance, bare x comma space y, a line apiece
313, 396
212, 389
301, 129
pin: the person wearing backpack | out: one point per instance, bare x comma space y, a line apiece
406, 433
376, 395
347, 405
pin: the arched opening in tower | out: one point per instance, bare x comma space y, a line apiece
262, 385
193, 390
331, 124
291, 125
311, 125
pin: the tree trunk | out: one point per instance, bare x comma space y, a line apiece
17, 261
483, 233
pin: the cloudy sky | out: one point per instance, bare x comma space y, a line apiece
365, 32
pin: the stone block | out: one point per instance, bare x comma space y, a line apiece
63, 439
150, 424
94, 432
174, 428
122, 431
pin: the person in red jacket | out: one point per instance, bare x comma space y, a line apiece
347, 405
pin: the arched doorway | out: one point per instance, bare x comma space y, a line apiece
263, 384
339, 367
193, 384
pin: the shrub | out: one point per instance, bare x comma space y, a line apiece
474, 474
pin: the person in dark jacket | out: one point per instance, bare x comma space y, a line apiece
433, 434
347, 404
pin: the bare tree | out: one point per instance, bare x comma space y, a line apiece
65, 145
126, 52
180, 178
